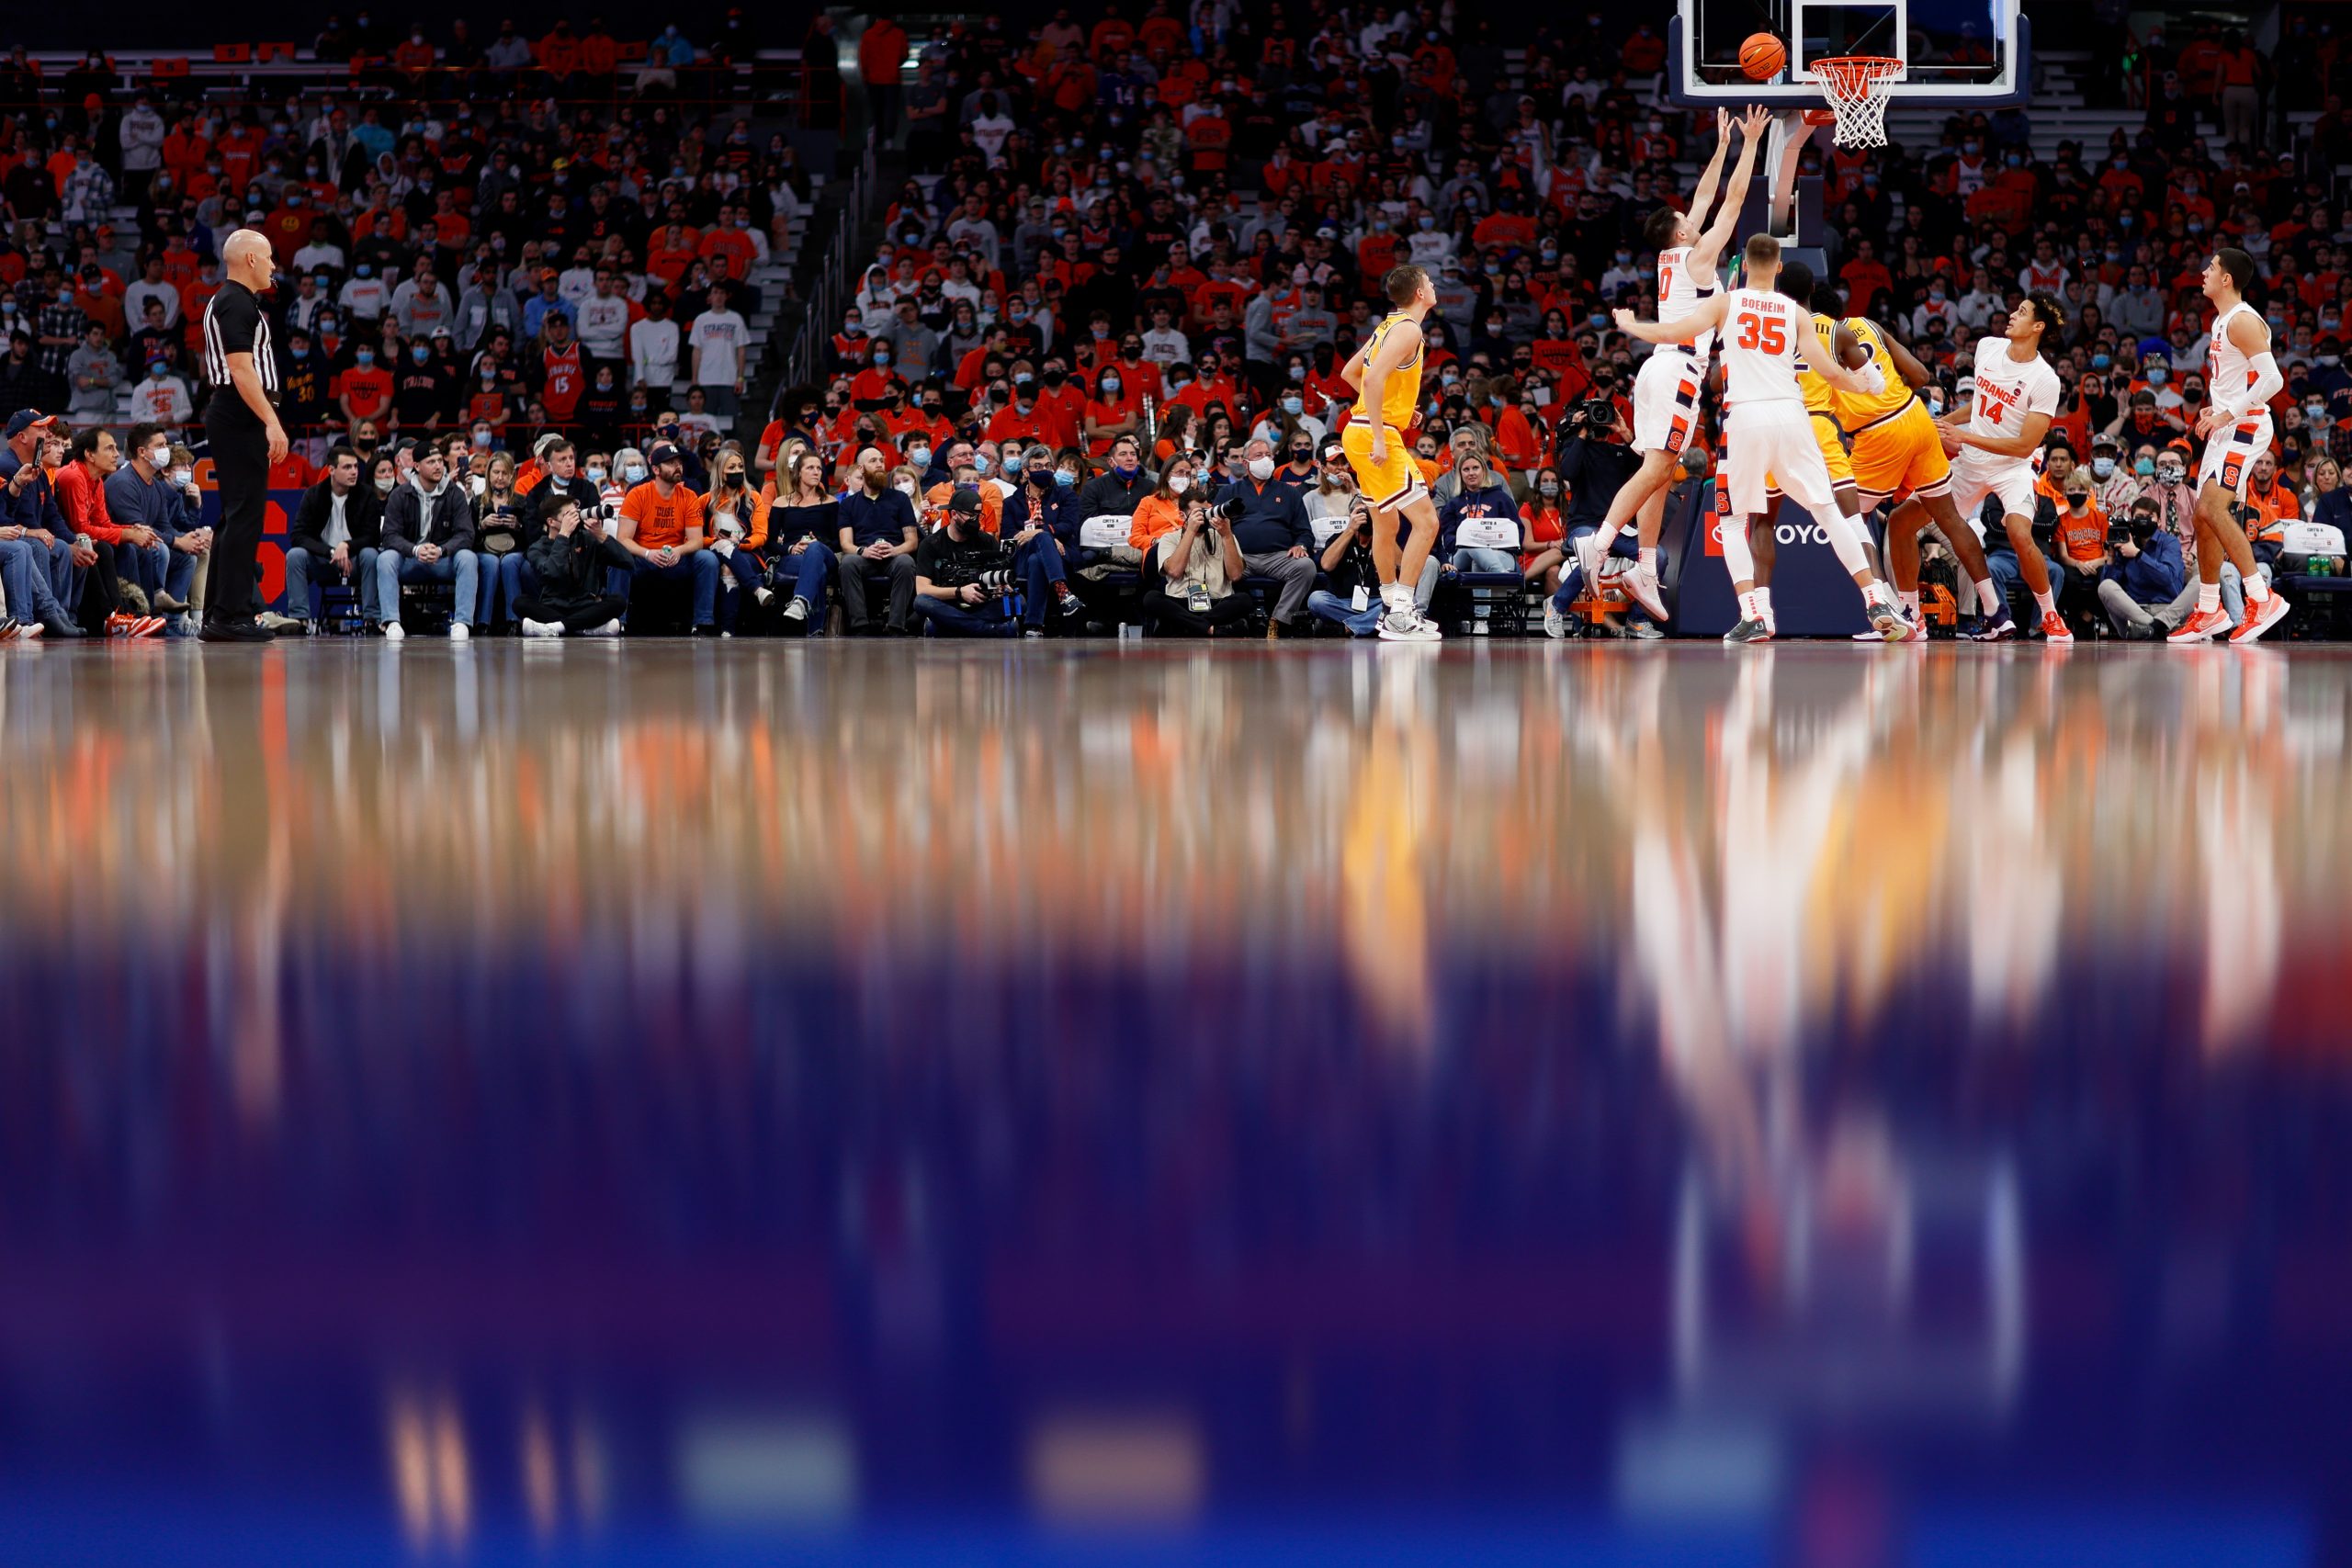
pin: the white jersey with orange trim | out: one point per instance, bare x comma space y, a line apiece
2007, 391
1680, 289
2228, 367
1765, 337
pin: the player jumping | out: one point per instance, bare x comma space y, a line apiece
2241, 378
1767, 432
1386, 373
1666, 389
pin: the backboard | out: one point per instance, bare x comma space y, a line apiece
1970, 54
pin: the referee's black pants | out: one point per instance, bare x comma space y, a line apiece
241, 467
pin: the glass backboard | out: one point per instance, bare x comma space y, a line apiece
1962, 52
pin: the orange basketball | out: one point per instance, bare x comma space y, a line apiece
1762, 56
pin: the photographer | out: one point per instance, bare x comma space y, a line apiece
961, 573
561, 480
568, 561
2142, 583
1199, 564
1353, 600
1595, 460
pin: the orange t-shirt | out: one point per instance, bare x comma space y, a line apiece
369, 388
661, 522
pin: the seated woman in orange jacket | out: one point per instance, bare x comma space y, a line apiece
1161, 515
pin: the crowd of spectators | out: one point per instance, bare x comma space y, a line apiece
1130, 256
502, 240
485, 242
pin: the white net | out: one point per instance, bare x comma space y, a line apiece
1856, 87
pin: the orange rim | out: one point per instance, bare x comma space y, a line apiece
1852, 76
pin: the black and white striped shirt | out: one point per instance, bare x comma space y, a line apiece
234, 323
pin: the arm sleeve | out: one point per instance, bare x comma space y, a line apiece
2267, 384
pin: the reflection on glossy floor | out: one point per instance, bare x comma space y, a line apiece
1576, 1105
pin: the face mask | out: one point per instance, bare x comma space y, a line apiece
1110, 385
906, 487
1261, 468
919, 456
1065, 478
1040, 478
1179, 483
362, 270
299, 353
881, 356
595, 474
2102, 467
365, 357
633, 473
384, 486
2171, 476
1294, 405
982, 463
420, 354
2155, 375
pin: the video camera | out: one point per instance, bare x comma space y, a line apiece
1594, 413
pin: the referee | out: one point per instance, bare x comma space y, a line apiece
241, 422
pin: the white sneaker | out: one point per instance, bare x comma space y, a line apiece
1642, 583
797, 610
1588, 557
1478, 628
1555, 625
1406, 626
763, 596
394, 631
541, 628
459, 631
610, 629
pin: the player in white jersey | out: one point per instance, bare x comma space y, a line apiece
1992, 442
1666, 389
1766, 430
2240, 379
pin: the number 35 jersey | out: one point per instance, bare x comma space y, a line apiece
1762, 336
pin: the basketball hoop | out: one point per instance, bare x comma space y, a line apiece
1856, 87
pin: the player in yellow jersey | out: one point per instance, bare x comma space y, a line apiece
1898, 455
1386, 374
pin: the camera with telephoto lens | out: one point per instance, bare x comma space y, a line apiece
1231, 511
1598, 413
2119, 532
994, 581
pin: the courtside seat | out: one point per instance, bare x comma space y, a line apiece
428, 607
1503, 594
2317, 606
